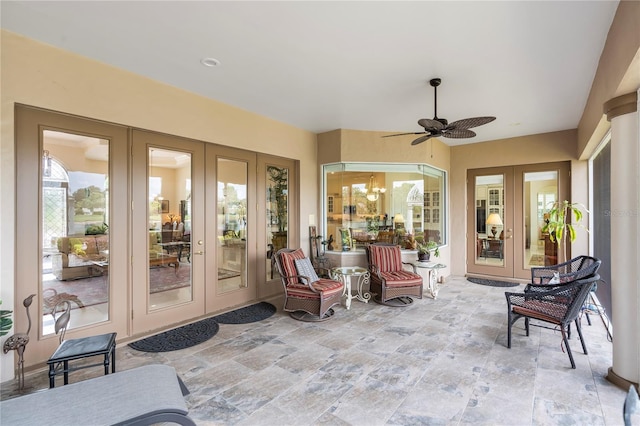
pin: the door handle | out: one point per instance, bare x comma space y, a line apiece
199, 252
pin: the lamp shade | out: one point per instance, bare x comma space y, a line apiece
398, 218
494, 219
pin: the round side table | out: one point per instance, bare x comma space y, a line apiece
433, 285
345, 274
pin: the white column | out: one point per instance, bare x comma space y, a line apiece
625, 238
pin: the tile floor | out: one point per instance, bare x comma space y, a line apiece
436, 362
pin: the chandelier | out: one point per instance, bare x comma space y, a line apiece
373, 191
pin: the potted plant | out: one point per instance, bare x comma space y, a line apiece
559, 224
425, 249
5, 321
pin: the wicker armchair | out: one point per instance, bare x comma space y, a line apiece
575, 269
556, 304
306, 296
391, 283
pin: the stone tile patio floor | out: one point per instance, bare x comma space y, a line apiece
436, 362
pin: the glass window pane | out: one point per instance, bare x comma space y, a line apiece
75, 227
540, 192
277, 214
232, 225
169, 219
382, 202
489, 199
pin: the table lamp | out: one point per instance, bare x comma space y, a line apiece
494, 220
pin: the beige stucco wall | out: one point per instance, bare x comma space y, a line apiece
618, 73
40, 75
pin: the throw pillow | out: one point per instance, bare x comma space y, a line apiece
304, 267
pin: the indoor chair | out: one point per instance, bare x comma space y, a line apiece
392, 284
557, 304
306, 296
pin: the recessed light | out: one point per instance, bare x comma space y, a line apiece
210, 62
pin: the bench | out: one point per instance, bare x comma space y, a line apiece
140, 396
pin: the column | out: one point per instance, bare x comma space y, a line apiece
622, 112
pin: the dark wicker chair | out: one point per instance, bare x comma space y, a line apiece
559, 304
390, 282
575, 269
306, 298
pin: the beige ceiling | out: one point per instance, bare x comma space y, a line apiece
354, 65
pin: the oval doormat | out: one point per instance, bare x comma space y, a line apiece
492, 283
179, 338
253, 313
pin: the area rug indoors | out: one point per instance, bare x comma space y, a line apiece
492, 283
253, 313
536, 260
179, 338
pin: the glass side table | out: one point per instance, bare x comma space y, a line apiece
346, 275
432, 285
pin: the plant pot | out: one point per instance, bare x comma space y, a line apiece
424, 256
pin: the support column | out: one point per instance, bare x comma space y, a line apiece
622, 112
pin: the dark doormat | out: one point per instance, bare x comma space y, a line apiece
492, 283
179, 338
253, 313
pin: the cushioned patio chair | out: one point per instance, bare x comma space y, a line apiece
392, 284
558, 304
306, 296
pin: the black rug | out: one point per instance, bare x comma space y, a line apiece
253, 313
492, 283
179, 338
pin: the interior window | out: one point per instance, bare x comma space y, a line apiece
367, 202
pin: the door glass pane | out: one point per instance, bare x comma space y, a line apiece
277, 214
540, 192
489, 199
169, 219
232, 225
75, 225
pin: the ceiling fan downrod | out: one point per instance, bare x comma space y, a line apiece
435, 82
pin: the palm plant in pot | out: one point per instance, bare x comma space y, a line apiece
425, 248
560, 225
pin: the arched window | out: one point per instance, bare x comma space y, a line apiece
55, 185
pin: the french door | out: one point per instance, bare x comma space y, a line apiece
506, 209
168, 230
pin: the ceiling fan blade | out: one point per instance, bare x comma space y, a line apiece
422, 139
403, 134
429, 124
458, 133
467, 123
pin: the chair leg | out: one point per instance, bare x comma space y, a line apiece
509, 323
566, 344
526, 325
579, 328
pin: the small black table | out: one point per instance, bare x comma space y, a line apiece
84, 347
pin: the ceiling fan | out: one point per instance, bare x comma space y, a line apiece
441, 127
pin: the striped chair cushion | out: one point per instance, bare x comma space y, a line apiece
401, 278
386, 258
325, 286
288, 262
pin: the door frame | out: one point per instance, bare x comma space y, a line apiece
514, 225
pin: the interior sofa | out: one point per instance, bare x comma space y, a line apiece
75, 254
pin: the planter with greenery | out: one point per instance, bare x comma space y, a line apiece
5, 321
560, 225
426, 248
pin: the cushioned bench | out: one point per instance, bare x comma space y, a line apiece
140, 396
